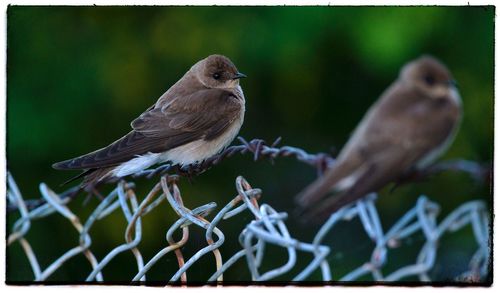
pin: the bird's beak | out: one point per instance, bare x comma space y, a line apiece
239, 75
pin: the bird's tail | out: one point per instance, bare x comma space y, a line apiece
92, 178
315, 191
314, 198
84, 173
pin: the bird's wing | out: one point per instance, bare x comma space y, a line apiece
382, 148
372, 175
203, 115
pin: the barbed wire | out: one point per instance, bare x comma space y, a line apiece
261, 150
257, 147
268, 228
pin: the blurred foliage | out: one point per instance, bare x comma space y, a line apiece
78, 75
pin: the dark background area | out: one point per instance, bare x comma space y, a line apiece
77, 76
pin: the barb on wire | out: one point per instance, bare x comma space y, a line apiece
258, 147
321, 161
261, 150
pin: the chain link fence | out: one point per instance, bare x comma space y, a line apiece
268, 227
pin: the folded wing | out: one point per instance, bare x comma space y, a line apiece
202, 115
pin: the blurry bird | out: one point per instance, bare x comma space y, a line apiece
412, 123
193, 120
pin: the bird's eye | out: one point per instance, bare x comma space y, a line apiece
429, 80
216, 75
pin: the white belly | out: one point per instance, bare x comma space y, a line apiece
199, 150
195, 151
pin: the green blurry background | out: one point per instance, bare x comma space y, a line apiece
78, 75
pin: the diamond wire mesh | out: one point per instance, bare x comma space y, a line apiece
268, 228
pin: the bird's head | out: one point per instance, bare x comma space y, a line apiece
430, 76
217, 71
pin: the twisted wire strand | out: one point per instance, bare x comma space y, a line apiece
261, 150
268, 227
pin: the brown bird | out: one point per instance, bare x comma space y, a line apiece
193, 120
412, 123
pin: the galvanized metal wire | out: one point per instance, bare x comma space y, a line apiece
269, 227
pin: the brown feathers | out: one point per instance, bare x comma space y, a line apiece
408, 127
203, 105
